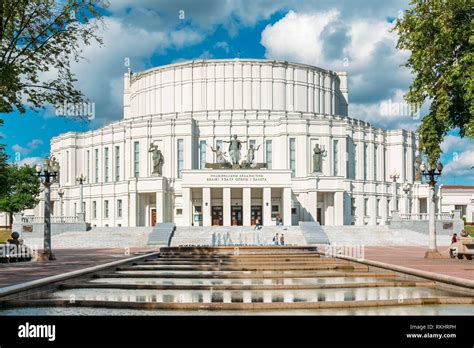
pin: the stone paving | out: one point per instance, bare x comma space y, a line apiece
67, 260
413, 257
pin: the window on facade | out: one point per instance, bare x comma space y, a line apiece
388, 207
106, 209
365, 161
269, 154
75, 209
353, 207
179, 211
202, 154
252, 142
335, 154
275, 208
106, 160
117, 163
294, 211
293, 156
376, 149
96, 165
83, 207
67, 166
378, 207
356, 156
385, 164
136, 159
407, 166
180, 157
119, 208
94, 209
88, 160
366, 207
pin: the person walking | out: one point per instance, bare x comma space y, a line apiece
282, 239
275, 239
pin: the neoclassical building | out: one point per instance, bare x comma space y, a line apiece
311, 161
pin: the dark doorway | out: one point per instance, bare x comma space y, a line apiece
256, 214
236, 216
319, 211
217, 216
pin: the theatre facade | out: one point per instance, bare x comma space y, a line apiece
236, 142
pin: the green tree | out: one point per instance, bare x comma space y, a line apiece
22, 190
439, 35
39, 38
3, 167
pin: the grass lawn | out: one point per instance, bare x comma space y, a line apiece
470, 229
5, 235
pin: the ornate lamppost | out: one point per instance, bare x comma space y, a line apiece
61, 195
431, 173
81, 180
406, 188
47, 173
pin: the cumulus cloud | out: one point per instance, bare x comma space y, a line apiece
461, 165
31, 161
364, 47
31, 146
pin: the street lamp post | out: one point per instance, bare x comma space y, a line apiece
61, 194
394, 176
431, 173
48, 172
406, 189
81, 179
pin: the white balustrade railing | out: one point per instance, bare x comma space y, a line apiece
425, 216
54, 219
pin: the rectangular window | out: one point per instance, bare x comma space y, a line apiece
136, 159
75, 209
356, 156
202, 154
119, 208
336, 157
405, 156
353, 207
219, 144
376, 149
106, 160
388, 207
94, 209
269, 154
96, 165
385, 164
365, 160
67, 166
180, 157
106, 209
83, 207
366, 207
378, 207
293, 156
117, 163
88, 160
252, 142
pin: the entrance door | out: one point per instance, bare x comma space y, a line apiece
237, 216
153, 217
256, 214
217, 216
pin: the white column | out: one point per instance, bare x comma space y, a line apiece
226, 203
339, 208
440, 198
187, 206
360, 209
267, 206
160, 207
286, 206
312, 205
132, 222
247, 202
206, 206
373, 209
416, 206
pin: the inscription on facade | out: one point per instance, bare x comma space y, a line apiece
236, 178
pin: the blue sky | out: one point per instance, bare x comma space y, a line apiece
352, 36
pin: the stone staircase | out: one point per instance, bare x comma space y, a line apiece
314, 233
235, 235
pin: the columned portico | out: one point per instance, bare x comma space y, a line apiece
237, 197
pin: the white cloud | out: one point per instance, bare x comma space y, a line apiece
461, 165
364, 47
452, 144
223, 45
31, 161
32, 145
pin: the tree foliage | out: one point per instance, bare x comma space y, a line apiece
39, 39
3, 167
439, 35
23, 189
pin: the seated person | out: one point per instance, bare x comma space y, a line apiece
464, 233
453, 249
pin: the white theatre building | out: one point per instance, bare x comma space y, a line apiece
283, 109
